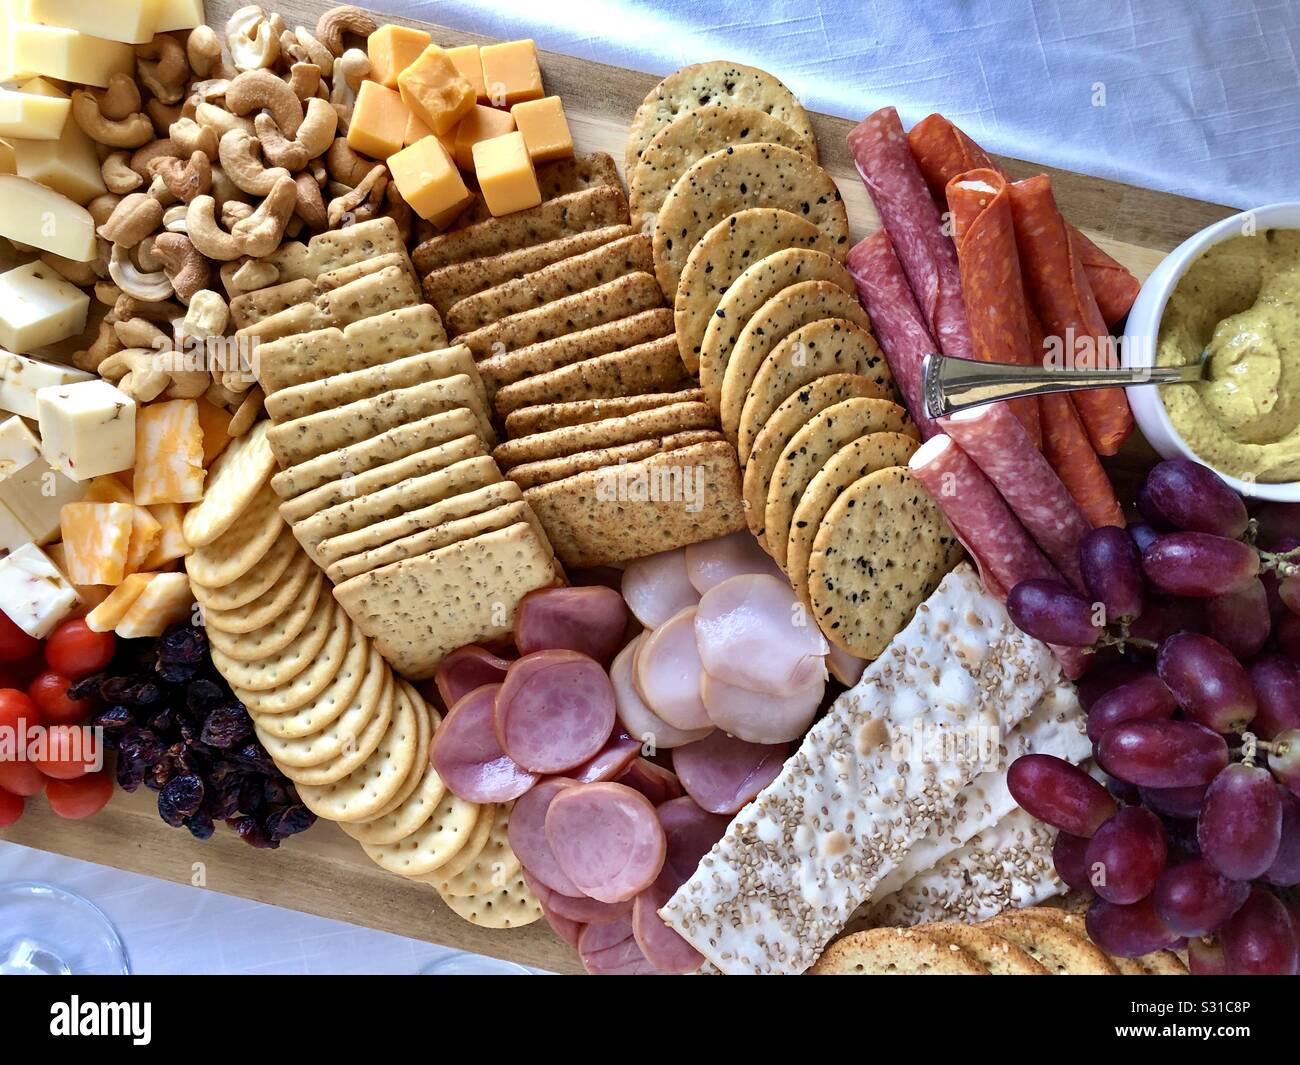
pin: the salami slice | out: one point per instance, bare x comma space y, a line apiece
895, 319
1001, 448
915, 229
611, 950
942, 151
658, 586
642, 723
607, 840
590, 619
467, 756
666, 671
610, 762
465, 669
711, 562
1067, 447
722, 773
555, 710
526, 831
656, 783
690, 832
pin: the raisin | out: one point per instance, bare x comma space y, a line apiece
254, 834
114, 719
289, 821
186, 645
200, 825
227, 726
203, 695
181, 797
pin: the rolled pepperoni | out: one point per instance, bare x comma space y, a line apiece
895, 319
690, 832
611, 950
711, 562
580, 911
757, 716
722, 773
642, 723
1067, 447
752, 632
591, 620
467, 756
607, 840
658, 586
663, 947
666, 672
610, 762
656, 783
567, 930
465, 669
526, 831
555, 710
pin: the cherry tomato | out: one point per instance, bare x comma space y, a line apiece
11, 808
20, 674
70, 751
75, 799
21, 778
15, 645
76, 650
18, 716
49, 691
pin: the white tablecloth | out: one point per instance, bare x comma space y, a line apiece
1200, 97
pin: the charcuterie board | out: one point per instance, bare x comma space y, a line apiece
324, 872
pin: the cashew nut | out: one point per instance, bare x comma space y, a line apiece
248, 276
142, 157
130, 132
174, 219
399, 211
257, 235
128, 307
69, 270
311, 206
203, 50
304, 80
189, 137
223, 189
186, 268
315, 135
138, 372
350, 70
239, 160
207, 317
210, 89
184, 179
362, 203
253, 37
149, 287
162, 66
118, 175
301, 46
133, 219
104, 345
234, 211
121, 98
138, 333
143, 257
345, 165
337, 21
159, 191
220, 121
255, 89
247, 413
107, 293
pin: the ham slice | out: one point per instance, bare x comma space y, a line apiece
642, 723
591, 620
526, 832
555, 710
656, 783
666, 672
722, 773
468, 757
658, 586
607, 840
757, 716
465, 669
710, 563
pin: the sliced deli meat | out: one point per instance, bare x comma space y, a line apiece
526, 832
607, 839
666, 672
656, 783
690, 831
610, 762
663, 947
610, 949
467, 756
590, 619
760, 717
465, 669
555, 710
722, 773
581, 911
658, 586
642, 723
710, 563
844, 667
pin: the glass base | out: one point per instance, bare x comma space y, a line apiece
47, 931
462, 963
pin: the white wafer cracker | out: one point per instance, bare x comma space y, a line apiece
797, 861
402, 821
511, 906
234, 479
434, 843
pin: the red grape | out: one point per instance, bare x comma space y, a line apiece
1287, 634
1112, 570
1260, 939
1053, 613
1209, 683
1107, 674
1279, 526
1193, 497
1285, 870
1127, 855
1205, 957
1144, 698
1240, 827
1059, 793
1162, 754
1288, 590
1068, 855
1284, 759
1175, 802
1194, 899
1199, 565
1276, 680
1128, 931
1166, 615
1240, 620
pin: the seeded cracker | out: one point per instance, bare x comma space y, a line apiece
797, 861
543, 416
251, 307
1063, 952
336, 249
610, 432
895, 952
997, 955
555, 179
389, 289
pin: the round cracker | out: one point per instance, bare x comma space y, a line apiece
806, 453
787, 420
241, 548
733, 179
256, 582
856, 459
269, 605
276, 634
757, 284
512, 906
357, 749
999, 956
473, 846
314, 678
700, 84
234, 479
1063, 951
427, 720
780, 316
319, 712
895, 952
881, 551
371, 786
692, 135
395, 825
280, 668
818, 349
493, 867
437, 840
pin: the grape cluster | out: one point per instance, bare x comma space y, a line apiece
1193, 705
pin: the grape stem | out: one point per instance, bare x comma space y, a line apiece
1286, 563
1249, 748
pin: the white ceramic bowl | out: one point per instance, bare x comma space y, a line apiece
1144, 326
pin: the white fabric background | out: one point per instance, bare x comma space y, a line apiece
1200, 97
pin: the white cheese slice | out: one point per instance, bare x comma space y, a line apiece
87, 428
128, 21
19, 447
38, 307
36, 494
45, 219
22, 376
33, 593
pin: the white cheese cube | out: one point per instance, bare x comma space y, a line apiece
38, 307
35, 496
68, 55
129, 21
45, 219
33, 593
68, 163
22, 376
19, 447
32, 116
87, 429
13, 533
179, 15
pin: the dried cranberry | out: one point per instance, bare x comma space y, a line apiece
176, 672
182, 797
289, 821
200, 825
142, 693
227, 726
114, 719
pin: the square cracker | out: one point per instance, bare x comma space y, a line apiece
511, 366
610, 432
577, 274
251, 307
395, 443
557, 178
448, 285
419, 610
543, 416
369, 342
490, 496
544, 471
611, 302
388, 289
654, 366
666, 501
329, 430
297, 401
336, 249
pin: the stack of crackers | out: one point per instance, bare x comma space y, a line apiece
329, 710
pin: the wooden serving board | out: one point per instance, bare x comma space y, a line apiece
325, 872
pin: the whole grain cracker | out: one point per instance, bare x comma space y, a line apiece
253, 584
240, 548
512, 906
609, 432
436, 840
314, 677
557, 178
280, 668
276, 634
895, 952
735, 179
250, 307
1063, 952
317, 713
544, 471
337, 249
357, 749
999, 956
388, 289
267, 606
543, 416
234, 479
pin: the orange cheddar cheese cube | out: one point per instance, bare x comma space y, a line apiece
146, 530
215, 424
417, 131
510, 72
105, 616
96, 539
166, 600
545, 129
506, 177
466, 60
435, 90
392, 49
171, 543
479, 125
90, 595
428, 180
168, 453
378, 121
